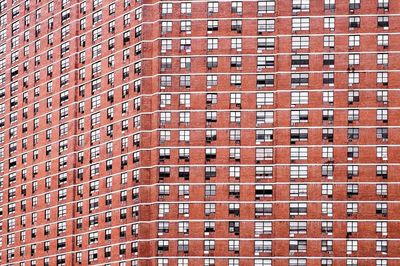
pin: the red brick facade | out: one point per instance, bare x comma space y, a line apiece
199, 132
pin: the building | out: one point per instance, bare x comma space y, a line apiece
254, 132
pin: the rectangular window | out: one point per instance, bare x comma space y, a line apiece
354, 40
383, 21
354, 22
265, 25
329, 41
329, 4
265, 6
300, 24
301, 6
299, 153
300, 42
300, 61
382, 59
264, 98
299, 97
384, 4
354, 4
329, 23
299, 79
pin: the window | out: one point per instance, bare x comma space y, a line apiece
166, 8
236, 25
383, 4
329, 23
166, 62
383, 40
353, 115
327, 190
382, 78
96, 34
262, 246
235, 117
267, 6
237, 7
62, 210
354, 78
186, 8
327, 227
352, 152
266, 43
297, 262
298, 134
329, 41
235, 98
298, 190
263, 209
382, 208
265, 25
382, 152
326, 245
381, 262
264, 154
382, 227
353, 133
236, 80
300, 42
383, 21
166, 26
185, 62
328, 78
233, 262
327, 97
354, 22
299, 116
209, 208
209, 262
382, 59
212, 7
352, 189
298, 208
354, 40
234, 172
264, 117
261, 228
327, 152
327, 209
186, 26
354, 59
233, 245
265, 80
300, 61
298, 153
299, 79
352, 170
300, 24
261, 172
264, 98
382, 246
236, 43
299, 97
382, 133
210, 190
298, 227
301, 5
298, 245
382, 115
212, 25
166, 45
354, 4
